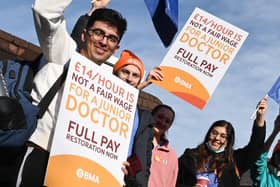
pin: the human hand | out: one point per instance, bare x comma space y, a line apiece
125, 166
261, 111
99, 3
155, 74
95, 4
262, 107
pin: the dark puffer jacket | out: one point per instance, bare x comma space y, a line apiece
142, 147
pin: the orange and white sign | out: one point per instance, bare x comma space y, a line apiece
93, 128
199, 57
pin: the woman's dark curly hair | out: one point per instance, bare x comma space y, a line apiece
216, 161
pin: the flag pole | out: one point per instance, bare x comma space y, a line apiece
254, 113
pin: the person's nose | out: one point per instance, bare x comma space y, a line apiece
129, 77
104, 41
218, 137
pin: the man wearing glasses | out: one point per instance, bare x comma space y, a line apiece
99, 40
99, 34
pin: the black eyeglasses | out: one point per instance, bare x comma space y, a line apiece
99, 34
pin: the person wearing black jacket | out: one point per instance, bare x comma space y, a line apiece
142, 147
214, 162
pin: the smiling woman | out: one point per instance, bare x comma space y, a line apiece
214, 162
164, 164
221, 135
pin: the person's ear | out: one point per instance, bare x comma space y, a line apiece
83, 35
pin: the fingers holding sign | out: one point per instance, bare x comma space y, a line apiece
155, 74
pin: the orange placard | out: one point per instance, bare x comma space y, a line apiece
76, 171
185, 86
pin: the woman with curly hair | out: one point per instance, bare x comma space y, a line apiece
214, 162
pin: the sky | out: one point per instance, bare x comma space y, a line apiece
250, 75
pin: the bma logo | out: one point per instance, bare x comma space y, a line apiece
182, 82
86, 175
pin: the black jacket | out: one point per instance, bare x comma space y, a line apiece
142, 147
243, 157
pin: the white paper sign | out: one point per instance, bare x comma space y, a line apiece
93, 128
199, 57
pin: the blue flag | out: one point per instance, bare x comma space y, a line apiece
164, 14
274, 92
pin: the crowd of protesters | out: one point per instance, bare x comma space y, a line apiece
151, 161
